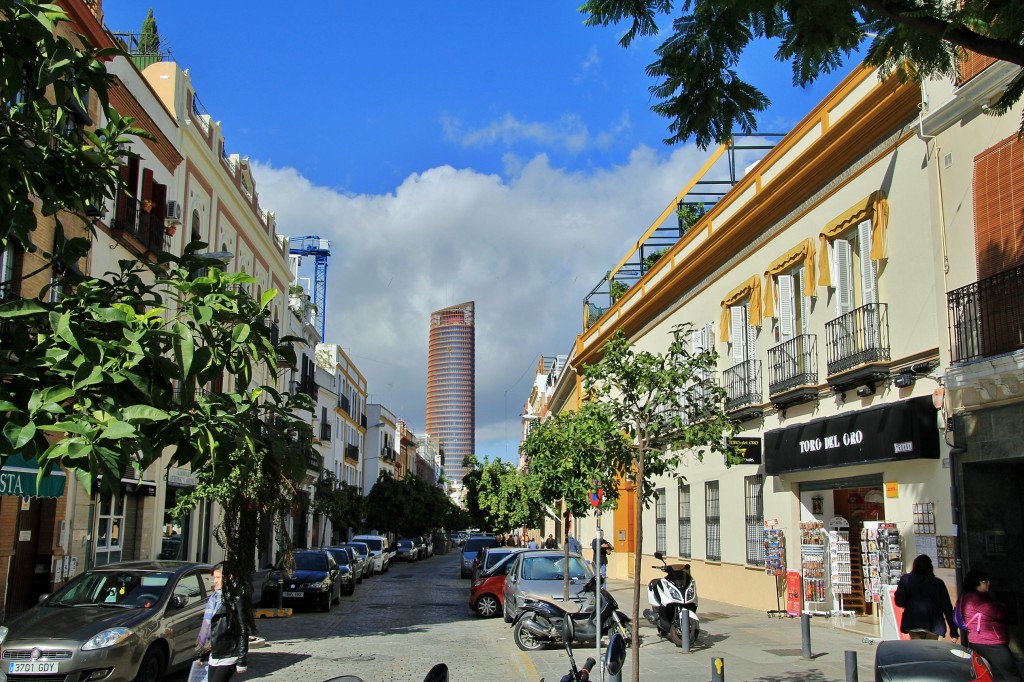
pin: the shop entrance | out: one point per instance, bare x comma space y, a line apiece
993, 539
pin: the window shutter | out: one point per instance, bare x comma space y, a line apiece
697, 341
998, 207
868, 279
803, 301
738, 333
787, 311
844, 276
751, 336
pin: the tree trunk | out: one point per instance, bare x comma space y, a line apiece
637, 558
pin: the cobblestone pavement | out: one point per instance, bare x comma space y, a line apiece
395, 627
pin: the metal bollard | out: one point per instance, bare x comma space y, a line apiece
717, 670
851, 667
684, 629
805, 636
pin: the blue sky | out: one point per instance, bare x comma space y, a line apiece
491, 151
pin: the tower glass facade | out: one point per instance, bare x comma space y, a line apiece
451, 385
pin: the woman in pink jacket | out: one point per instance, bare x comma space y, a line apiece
986, 621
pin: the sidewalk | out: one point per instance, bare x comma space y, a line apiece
754, 647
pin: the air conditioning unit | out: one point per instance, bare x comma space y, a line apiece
173, 212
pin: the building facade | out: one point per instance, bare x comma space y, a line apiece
451, 385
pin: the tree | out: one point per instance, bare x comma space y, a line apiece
149, 37
669, 407
572, 454
702, 95
387, 508
507, 498
340, 502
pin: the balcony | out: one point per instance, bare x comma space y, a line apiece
856, 344
142, 232
742, 384
352, 452
986, 318
793, 371
325, 432
314, 461
343, 403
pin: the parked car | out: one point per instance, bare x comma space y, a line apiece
923, 659
489, 556
346, 568
135, 619
428, 545
408, 549
315, 580
538, 574
469, 551
486, 595
362, 551
380, 550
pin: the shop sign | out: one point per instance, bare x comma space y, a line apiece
180, 478
19, 478
902, 430
892, 488
747, 448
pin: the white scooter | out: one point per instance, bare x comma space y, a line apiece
672, 598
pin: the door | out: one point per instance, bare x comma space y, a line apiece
185, 622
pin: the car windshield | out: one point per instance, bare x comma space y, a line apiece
310, 562
551, 568
340, 555
476, 544
360, 550
492, 557
128, 589
373, 543
405, 543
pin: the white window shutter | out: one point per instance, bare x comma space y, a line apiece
803, 301
868, 279
738, 333
844, 276
751, 337
787, 309
696, 341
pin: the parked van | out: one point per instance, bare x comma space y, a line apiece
380, 550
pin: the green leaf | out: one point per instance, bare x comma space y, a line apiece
57, 394
19, 434
21, 308
87, 375
240, 333
184, 348
117, 429
144, 413
76, 427
267, 297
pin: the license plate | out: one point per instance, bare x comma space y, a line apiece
294, 595
32, 667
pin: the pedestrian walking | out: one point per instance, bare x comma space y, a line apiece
985, 625
606, 549
925, 603
532, 544
551, 542
224, 634
574, 544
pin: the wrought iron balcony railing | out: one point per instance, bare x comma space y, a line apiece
858, 337
343, 403
742, 384
146, 226
986, 318
352, 452
793, 364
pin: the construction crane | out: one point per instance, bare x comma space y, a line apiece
319, 249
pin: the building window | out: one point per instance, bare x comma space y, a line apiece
754, 513
712, 522
660, 524
685, 526
109, 530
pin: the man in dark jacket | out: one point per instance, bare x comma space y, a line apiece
925, 603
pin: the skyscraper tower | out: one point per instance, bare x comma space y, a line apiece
451, 385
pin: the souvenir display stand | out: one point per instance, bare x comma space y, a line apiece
840, 573
814, 567
883, 558
775, 563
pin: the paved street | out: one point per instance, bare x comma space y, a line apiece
397, 625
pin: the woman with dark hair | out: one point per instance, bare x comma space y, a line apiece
925, 603
985, 622
224, 634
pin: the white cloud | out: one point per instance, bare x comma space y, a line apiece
526, 249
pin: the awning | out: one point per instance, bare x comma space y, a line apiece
18, 478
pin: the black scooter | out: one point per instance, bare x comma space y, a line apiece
539, 623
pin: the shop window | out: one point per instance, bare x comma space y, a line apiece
660, 521
685, 524
754, 518
712, 522
109, 526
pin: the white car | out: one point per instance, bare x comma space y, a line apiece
380, 551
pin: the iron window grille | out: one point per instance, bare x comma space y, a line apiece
685, 524
754, 513
660, 521
712, 521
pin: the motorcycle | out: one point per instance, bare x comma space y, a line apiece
540, 622
672, 598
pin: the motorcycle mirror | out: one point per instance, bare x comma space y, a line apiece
616, 654
659, 556
439, 673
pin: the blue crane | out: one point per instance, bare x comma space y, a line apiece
319, 249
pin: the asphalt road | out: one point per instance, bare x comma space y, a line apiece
395, 627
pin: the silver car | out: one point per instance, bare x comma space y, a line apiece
117, 623
538, 574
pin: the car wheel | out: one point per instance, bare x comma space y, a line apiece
351, 589
487, 606
525, 639
326, 606
337, 600
152, 667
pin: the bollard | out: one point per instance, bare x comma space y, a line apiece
684, 629
851, 667
805, 636
717, 670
